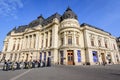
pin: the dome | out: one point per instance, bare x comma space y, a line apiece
69, 14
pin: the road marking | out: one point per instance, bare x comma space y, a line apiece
16, 77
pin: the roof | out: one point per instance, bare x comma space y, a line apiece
21, 28
49, 19
42, 21
85, 24
118, 39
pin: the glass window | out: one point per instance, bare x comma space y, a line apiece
69, 39
99, 43
14, 47
18, 46
95, 56
106, 45
92, 42
114, 46
61, 41
77, 40
79, 55
49, 53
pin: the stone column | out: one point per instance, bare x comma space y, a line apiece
44, 41
74, 39
65, 39
32, 42
48, 38
55, 36
40, 40
26, 42
28, 45
16, 44
21, 43
37, 41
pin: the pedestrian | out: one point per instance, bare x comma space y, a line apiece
104, 63
38, 62
33, 64
48, 62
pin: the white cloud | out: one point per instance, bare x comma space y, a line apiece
9, 7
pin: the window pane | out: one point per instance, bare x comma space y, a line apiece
69, 40
95, 57
79, 55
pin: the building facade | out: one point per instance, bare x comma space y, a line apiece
118, 43
63, 39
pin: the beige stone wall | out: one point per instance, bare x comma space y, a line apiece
32, 42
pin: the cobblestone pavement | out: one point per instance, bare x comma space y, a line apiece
59, 72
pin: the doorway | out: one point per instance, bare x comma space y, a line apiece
70, 57
103, 57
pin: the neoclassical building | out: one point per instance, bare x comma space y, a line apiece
118, 43
63, 39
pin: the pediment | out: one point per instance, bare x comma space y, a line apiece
29, 30
32, 29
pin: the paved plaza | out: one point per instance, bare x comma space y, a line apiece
59, 72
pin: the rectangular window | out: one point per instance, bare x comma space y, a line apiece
77, 40
49, 53
114, 47
18, 46
106, 45
50, 38
95, 56
69, 39
99, 43
92, 42
62, 41
79, 55
14, 47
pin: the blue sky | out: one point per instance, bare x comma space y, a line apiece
104, 14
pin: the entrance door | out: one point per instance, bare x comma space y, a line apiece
61, 57
70, 57
103, 57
